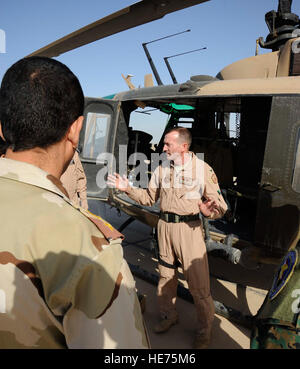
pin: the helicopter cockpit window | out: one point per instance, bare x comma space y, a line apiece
145, 130
95, 134
296, 175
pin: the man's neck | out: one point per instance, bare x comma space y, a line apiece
48, 160
182, 159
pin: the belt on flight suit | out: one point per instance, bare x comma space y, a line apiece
175, 218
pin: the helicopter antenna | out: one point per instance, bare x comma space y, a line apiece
172, 56
154, 70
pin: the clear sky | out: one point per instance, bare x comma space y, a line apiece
228, 28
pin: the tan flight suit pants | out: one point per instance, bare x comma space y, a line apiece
184, 241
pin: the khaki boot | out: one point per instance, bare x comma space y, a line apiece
202, 339
165, 324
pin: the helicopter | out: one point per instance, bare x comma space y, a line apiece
258, 168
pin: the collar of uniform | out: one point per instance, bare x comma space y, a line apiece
30, 174
178, 168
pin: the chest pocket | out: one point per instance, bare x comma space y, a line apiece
182, 185
187, 184
185, 187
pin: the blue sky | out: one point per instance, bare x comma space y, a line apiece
228, 28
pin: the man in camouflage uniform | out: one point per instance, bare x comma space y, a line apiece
277, 323
181, 183
63, 280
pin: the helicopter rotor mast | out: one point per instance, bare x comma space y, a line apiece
144, 11
281, 24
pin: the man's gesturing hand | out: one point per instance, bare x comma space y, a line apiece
115, 180
209, 207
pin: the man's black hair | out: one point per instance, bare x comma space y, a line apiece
39, 99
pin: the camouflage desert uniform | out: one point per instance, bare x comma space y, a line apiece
277, 324
180, 188
74, 181
63, 284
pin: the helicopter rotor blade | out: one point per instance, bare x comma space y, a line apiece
132, 16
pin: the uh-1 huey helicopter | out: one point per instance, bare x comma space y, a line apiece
258, 169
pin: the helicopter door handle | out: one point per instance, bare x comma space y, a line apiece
102, 162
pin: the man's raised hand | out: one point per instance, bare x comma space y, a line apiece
116, 181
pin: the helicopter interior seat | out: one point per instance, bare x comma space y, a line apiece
139, 141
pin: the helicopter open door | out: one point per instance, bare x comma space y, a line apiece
278, 216
97, 144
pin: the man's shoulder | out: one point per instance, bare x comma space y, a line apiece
199, 158
43, 211
41, 204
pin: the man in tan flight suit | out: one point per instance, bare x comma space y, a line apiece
63, 280
74, 181
181, 183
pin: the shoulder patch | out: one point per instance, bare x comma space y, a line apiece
109, 232
213, 179
284, 273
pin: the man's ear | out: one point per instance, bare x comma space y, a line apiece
74, 131
185, 146
1, 133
